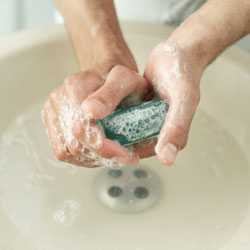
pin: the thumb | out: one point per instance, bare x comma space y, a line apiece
174, 133
120, 83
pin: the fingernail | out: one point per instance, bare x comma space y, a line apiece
167, 154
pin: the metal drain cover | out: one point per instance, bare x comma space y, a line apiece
128, 189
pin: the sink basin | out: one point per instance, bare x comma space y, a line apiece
201, 203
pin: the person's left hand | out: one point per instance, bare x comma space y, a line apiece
175, 75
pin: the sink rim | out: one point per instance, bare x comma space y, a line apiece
21, 40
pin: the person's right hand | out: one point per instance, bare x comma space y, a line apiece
72, 109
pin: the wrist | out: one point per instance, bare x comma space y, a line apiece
98, 39
96, 49
196, 44
200, 38
214, 27
106, 54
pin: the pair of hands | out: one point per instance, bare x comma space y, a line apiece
71, 110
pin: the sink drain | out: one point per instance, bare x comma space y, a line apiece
115, 191
141, 192
129, 189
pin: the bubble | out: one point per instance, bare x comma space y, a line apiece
67, 213
70, 114
139, 123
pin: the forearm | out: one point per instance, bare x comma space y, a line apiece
214, 27
95, 32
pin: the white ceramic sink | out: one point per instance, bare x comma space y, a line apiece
45, 204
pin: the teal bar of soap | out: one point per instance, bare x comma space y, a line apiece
135, 124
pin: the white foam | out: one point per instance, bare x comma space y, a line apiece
71, 113
67, 214
139, 123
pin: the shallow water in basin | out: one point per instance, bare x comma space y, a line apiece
52, 205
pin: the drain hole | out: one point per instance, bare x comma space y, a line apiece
115, 173
139, 173
141, 192
115, 191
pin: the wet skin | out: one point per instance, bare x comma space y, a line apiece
109, 73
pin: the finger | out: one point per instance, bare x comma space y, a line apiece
83, 162
85, 158
90, 135
76, 88
53, 129
112, 149
120, 82
174, 134
80, 85
145, 149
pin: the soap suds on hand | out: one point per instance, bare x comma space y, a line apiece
70, 114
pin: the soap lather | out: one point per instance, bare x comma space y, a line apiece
135, 124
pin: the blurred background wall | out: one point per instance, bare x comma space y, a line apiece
23, 14
17, 15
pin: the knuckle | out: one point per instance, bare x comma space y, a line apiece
119, 69
128, 77
122, 71
178, 135
92, 74
73, 79
179, 130
181, 140
106, 102
83, 78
